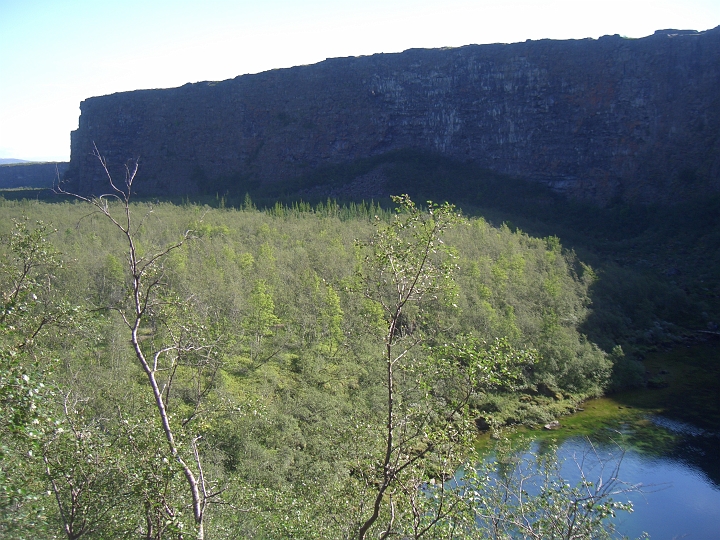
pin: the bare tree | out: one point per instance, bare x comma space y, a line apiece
519, 496
147, 297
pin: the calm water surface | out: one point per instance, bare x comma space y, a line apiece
671, 442
678, 499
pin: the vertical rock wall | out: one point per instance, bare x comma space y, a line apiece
31, 175
610, 118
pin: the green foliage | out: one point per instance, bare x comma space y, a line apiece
424, 430
260, 318
279, 323
534, 294
656, 263
88, 477
492, 366
424, 422
627, 372
28, 261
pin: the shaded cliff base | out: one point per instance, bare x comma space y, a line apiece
428, 175
658, 265
30, 174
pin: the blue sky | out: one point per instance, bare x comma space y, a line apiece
55, 53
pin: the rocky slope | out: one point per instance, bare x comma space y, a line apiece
605, 119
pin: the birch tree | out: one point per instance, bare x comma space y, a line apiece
407, 269
166, 344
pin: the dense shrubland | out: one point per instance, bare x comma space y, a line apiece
272, 336
657, 264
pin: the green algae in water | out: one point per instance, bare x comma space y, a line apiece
688, 394
670, 436
605, 421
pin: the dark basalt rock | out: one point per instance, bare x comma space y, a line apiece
482, 424
606, 119
30, 174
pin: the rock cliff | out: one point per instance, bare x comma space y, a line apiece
612, 118
31, 175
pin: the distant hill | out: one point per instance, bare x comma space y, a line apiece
30, 174
8, 161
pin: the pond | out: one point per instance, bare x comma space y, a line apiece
667, 440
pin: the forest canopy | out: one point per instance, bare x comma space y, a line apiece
269, 337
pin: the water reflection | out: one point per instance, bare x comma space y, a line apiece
544, 491
677, 465
687, 507
697, 448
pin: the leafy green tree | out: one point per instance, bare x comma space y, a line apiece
260, 321
88, 476
428, 427
330, 320
27, 265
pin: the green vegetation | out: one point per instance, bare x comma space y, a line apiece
320, 371
302, 372
657, 264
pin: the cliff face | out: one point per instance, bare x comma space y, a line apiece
31, 175
599, 119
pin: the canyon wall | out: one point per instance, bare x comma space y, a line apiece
31, 175
605, 119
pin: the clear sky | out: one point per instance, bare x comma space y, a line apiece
55, 53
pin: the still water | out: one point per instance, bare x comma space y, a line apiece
668, 442
677, 498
